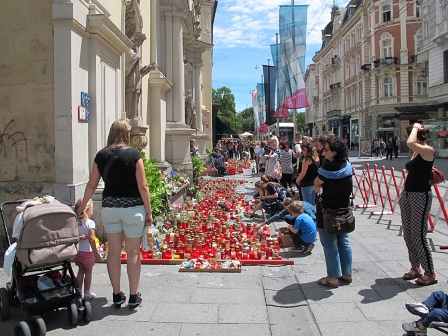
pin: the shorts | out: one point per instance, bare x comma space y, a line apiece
128, 220
84, 259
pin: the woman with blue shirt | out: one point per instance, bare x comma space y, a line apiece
335, 180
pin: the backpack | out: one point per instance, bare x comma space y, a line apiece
282, 192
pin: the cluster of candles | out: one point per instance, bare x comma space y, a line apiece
211, 228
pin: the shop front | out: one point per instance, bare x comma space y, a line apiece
388, 127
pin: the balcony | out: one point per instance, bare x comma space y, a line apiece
335, 86
366, 67
386, 61
335, 60
333, 113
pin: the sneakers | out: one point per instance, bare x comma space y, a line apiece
302, 249
89, 296
119, 299
308, 248
296, 249
134, 301
418, 309
412, 326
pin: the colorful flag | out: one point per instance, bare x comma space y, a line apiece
292, 27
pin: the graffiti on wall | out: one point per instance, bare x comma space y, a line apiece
16, 140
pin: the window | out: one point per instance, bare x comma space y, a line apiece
352, 71
387, 87
421, 85
417, 8
386, 13
387, 48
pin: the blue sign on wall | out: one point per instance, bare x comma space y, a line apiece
335, 124
85, 101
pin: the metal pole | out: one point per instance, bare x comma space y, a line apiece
359, 118
276, 86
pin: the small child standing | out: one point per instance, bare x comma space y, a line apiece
87, 252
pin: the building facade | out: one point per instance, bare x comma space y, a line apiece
366, 68
432, 53
70, 68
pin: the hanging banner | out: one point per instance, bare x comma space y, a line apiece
255, 108
261, 104
269, 89
292, 27
280, 112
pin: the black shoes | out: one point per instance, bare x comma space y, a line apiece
119, 299
134, 301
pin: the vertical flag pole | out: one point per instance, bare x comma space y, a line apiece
277, 131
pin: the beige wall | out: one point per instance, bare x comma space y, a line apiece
26, 99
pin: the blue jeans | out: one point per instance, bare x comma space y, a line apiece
338, 254
309, 194
438, 305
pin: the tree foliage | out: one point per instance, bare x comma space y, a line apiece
226, 111
300, 117
246, 117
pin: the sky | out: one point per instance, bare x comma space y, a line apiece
242, 33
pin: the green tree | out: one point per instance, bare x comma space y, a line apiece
246, 117
300, 117
226, 111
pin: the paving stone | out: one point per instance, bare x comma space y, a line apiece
279, 283
229, 295
288, 296
336, 312
242, 313
186, 313
225, 329
355, 328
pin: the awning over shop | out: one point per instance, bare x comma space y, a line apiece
224, 130
430, 106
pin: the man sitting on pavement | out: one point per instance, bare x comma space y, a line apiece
433, 309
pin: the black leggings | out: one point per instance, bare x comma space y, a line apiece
286, 180
415, 207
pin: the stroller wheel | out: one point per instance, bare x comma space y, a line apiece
22, 329
87, 313
4, 304
38, 326
72, 313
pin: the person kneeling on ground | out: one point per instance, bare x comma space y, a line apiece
433, 309
308, 208
303, 233
219, 162
271, 198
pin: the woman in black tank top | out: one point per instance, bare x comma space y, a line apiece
415, 204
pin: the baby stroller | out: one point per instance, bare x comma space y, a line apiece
42, 278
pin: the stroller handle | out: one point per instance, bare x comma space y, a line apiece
3, 217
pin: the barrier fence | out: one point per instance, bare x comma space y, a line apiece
376, 189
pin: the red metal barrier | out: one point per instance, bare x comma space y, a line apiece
366, 188
379, 180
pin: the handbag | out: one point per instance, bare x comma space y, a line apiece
277, 174
337, 221
436, 176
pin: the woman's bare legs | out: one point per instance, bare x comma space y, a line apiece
134, 263
114, 260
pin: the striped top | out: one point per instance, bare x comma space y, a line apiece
286, 162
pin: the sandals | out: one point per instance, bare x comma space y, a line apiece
414, 273
427, 280
325, 282
345, 279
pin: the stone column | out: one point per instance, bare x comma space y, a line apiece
198, 94
177, 76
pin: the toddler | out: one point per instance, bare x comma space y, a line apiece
87, 252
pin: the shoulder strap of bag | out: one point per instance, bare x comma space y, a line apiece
112, 158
